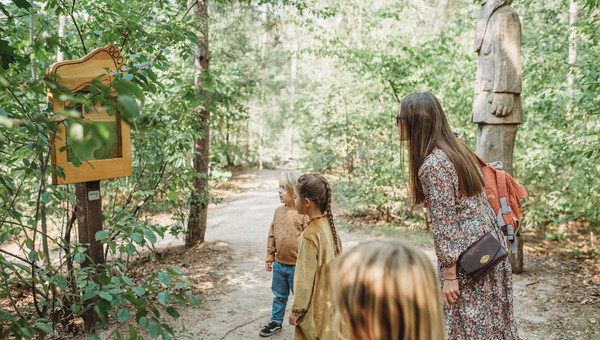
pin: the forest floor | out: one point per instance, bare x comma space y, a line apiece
554, 298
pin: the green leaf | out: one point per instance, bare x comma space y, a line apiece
123, 315
104, 306
29, 243
150, 235
5, 315
26, 332
72, 198
33, 255
164, 278
24, 4
154, 310
139, 291
154, 329
133, 334
137, 237
128, 107
105, 295
143, 322
172, 312
62, 283
75, 308
44, 327
126, 280
130, 249
7, 52
79, 258
101, 234
128, 76
95, 337
164, 298
47, 197
104, 279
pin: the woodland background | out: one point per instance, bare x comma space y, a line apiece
312, 83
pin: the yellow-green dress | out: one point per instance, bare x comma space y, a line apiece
312, 288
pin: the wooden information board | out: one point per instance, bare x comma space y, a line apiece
101, 159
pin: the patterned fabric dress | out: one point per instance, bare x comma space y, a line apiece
484, 309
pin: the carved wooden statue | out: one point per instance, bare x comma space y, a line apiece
497, 103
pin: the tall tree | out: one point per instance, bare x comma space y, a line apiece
572, 42
443, 16
199, 202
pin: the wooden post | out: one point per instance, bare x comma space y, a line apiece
516, 260
89, 222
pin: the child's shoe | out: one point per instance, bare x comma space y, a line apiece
270, 329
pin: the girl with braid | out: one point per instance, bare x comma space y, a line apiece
318, 245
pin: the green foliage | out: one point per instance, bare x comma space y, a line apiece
152, 37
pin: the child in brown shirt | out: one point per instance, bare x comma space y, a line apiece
282, 249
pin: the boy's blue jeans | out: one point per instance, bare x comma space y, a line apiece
282, 283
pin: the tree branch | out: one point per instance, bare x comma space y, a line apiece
12, 302
188, 10
75, 23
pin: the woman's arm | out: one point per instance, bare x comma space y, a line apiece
438, 188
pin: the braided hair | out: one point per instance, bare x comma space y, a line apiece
316, 188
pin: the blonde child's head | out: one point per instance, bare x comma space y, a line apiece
386, 289
288, 180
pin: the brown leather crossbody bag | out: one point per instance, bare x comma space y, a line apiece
482, 256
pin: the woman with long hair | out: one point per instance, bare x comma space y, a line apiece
444, 175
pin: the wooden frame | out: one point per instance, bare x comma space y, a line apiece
76, 75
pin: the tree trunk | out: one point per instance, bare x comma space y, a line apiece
200, 196
62, 23
572, 43
443, 16
293, 71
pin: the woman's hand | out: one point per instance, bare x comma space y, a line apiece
294, 319
450, 291
269, 266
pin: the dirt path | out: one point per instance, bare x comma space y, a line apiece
242, 305
236, 300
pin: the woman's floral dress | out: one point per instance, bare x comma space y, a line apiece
484, 309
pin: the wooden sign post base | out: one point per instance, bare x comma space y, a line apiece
516, 260
89, 221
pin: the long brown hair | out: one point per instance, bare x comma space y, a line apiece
316, 188
421, 117
386, 289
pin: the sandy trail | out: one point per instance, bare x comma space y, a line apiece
243, 306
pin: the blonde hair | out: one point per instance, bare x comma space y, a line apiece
316, 188
290, 180
386, 289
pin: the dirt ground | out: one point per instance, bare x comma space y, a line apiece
554, 299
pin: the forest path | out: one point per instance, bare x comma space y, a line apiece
241, 305
237, 304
